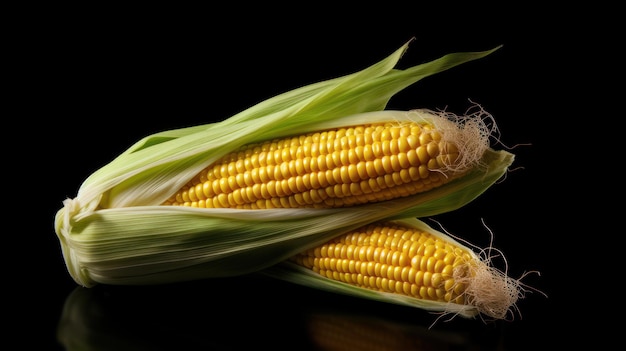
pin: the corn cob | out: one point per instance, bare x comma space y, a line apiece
333, 168
410, 262
120, 228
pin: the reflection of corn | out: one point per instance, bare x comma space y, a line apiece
336, 332
333, 168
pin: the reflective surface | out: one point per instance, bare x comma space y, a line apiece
257, 312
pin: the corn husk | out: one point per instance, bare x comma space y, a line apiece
115, 230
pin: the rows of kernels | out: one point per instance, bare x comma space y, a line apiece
333, 168
392, 259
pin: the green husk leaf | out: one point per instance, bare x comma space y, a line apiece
158, 165
115, 231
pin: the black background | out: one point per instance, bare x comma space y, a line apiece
90, 85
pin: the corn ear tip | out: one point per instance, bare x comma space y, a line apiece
470, 132
491, 291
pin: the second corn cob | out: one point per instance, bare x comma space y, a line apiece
406, 262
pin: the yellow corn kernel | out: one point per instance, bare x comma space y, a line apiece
333, 168
431, 272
